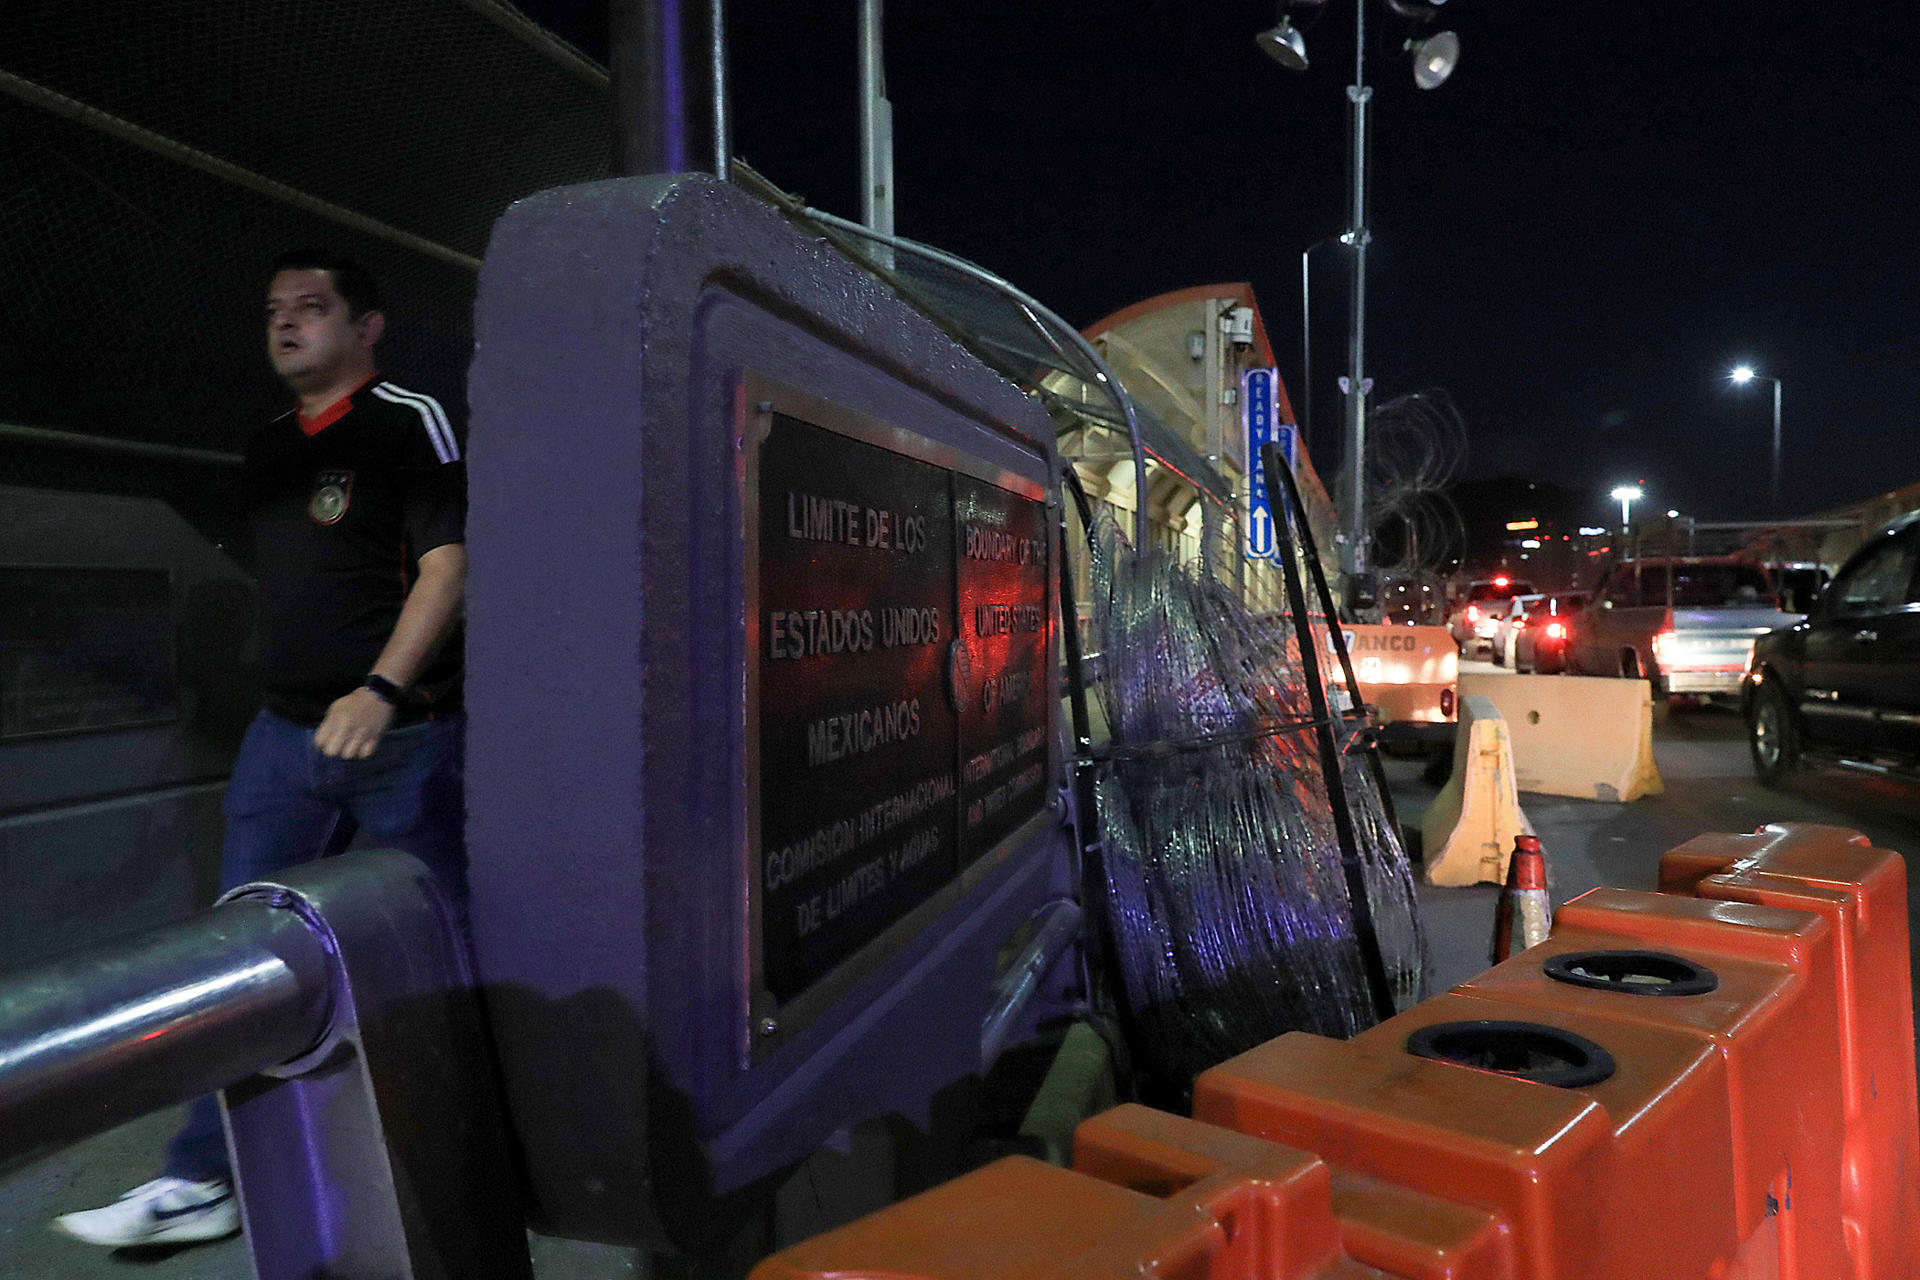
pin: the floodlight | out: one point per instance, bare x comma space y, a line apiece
1743, 373
1628, 493
1284, 45
1434, 58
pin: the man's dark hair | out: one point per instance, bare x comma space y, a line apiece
353, 282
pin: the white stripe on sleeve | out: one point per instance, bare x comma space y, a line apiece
445, 447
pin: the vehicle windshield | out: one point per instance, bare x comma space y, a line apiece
1705, 586
1498, 591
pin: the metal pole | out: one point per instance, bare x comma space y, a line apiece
667, 58
876, 131
1014, 990
1358, 96
128, 1028
1325, 717
1776, 448
1306, 351
335, 1010
717, 87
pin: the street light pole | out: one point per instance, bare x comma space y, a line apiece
1742, 375
1306, 342
1777, 513
1434, 58
1626, 495
876, 134
1358, 97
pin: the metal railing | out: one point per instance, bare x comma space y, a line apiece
336, 1010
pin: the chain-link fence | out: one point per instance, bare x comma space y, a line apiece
157, 155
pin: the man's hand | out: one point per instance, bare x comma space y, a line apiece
353, 725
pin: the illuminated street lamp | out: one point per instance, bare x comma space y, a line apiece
1626, 495
1741, 376
1434, 58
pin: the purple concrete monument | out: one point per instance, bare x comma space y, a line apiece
763, 766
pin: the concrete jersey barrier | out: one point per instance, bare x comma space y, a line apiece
1467, 833
1583, 736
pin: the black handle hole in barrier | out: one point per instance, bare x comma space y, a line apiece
1640, 973
1523, 1050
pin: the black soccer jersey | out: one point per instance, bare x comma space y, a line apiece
340, 509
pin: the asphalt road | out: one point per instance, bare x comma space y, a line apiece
1702, 757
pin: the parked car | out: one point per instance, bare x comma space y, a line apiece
1844, 684
1476, 611
1541, 646
1512, 621
1687, 624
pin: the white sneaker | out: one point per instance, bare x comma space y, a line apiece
164, 1211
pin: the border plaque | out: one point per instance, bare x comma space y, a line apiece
899, 620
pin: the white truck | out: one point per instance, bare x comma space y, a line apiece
1685, 623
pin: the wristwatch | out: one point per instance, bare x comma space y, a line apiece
385, 690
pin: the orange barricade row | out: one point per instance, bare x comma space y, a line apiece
1713, 1081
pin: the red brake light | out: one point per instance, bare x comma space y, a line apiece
1556, 631
1500, 582
1473, 613
1662, 641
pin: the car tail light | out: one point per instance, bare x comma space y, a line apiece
1446, 702
1662, 644
1473, 613
1556, 631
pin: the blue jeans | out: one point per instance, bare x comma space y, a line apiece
287, 804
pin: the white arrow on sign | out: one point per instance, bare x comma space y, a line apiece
1260, 539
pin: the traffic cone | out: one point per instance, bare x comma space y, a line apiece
1524, 915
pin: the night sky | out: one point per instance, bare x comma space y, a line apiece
1576, 236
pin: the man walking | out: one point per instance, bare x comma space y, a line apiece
355, 520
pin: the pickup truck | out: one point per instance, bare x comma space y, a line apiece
1844, 685
1686, 624
1410, 675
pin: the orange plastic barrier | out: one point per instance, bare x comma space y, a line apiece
1715, 1081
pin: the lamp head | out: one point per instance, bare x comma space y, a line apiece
1742, 373
1628, 493
1434, 58
1283, 43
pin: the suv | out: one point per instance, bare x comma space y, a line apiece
1477, 612
1541, 646
1512, 621
1685, 624
1845, 683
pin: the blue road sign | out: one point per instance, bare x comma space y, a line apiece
1260, 395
